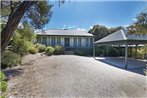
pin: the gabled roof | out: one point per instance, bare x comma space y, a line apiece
65, 33
121, 37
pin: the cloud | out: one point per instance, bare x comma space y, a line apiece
81, 29
90, 27
127, 25
69, 27
64, 25
134, 19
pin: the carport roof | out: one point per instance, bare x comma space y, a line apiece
122, 37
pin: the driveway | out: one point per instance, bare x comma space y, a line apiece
74, 76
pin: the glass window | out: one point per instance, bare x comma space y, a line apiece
75, 42
39, 39
79, 42
58, 40
87, 42
44, 40
53, 41
91, 42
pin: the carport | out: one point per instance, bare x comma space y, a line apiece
122, 37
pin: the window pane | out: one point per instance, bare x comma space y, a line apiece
53, 41
75, 42
44, 40
91, 42
87, 42
39, 39
79, 42
58, 40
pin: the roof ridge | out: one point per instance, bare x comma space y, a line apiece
123, 34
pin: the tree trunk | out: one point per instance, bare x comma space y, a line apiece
13, 22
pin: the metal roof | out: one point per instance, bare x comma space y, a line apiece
65, 33
122, 37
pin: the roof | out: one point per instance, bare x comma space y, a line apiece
66, 33
121, 37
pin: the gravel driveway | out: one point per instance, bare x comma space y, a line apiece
74, 76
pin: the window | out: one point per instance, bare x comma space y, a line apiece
91, 42
87, 42
39, 39
48, 41
44, 40
79, 42
58, 40
53, 41
75, 42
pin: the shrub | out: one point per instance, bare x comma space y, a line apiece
33, 50
10, 59
21, 46
59, 50
3, 85
49, 50
113, 52
40, 47
82, 52
2, 76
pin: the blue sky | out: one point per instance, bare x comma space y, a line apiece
84, 14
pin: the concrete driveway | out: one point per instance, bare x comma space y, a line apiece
134, 65
76, 76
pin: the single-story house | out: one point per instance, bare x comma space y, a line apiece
66, 38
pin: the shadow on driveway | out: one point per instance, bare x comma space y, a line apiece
136, 66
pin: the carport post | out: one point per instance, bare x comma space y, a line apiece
93, 50
136, 51
126, 55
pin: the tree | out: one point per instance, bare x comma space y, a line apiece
22, 40
101, 31
36, 13
140, 26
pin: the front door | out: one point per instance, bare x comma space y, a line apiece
66, 42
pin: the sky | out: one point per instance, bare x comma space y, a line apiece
83, 15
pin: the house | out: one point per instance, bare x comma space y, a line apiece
69, 39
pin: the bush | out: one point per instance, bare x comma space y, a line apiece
83, 52
59, 50
40, 47
20, 45
113, 52
3, 85
49, 50
10, 59
33, 50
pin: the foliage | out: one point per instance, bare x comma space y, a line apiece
22, 40
59, 50
49, 50
10, 59
140, 26
141, 52
35, 13
33, 50
3, 85
26, 32
20, 46
113, 52
2, 76
40, 47
83, 52
38, 13
101, 31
